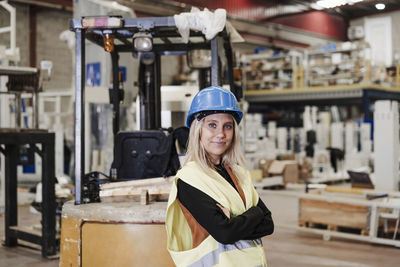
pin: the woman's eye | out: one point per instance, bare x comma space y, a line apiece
228, 126
212, 125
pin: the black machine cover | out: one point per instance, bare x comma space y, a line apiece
144, 154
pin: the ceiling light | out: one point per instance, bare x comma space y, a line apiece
331, 3
335, 3
380, 6
316, 6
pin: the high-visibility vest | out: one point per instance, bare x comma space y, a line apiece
210, 252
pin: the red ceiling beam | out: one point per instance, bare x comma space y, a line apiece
317, 22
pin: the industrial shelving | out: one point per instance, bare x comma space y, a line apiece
361, 94
269, 71
334, 74
337, 64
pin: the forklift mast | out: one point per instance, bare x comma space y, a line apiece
147, 39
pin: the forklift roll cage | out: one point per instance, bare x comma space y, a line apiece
166, 40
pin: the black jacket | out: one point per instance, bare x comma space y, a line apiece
252, 224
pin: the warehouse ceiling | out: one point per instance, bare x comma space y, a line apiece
275, 22
256, 33
351, 11
280, 23
260, 10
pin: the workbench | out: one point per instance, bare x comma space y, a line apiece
12, 139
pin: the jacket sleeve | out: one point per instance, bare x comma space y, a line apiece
211, 217
266, 226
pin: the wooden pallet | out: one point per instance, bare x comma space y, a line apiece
334, 228
333, 216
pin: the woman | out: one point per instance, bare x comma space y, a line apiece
214, 215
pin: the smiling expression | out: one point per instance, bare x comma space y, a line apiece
216, 135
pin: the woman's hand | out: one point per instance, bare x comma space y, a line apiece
224, 210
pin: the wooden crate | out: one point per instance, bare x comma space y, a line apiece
333, 215
114, 234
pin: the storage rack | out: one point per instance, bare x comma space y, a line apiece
334, 74
357, 94
337, 64
266, 71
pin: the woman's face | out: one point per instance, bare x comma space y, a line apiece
216, 135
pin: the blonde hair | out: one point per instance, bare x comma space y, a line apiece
232, 158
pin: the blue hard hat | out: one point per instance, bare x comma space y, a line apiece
214, 99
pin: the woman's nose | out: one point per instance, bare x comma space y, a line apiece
220, 131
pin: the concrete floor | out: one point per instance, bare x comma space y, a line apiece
22, 256
285, 247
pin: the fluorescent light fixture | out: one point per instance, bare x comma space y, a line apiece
316, 6
336, 3
380, 6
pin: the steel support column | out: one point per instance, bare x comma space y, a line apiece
48, 198
214, 62
79, 113
115, 91
11, 208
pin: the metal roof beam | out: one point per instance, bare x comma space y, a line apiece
269, 31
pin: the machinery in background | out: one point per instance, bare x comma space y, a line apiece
148, 40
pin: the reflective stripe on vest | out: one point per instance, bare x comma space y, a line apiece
212, 258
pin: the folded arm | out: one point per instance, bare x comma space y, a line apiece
254, 223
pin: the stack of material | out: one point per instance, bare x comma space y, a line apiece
157, 188
289, 170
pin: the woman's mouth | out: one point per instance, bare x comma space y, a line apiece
219, 143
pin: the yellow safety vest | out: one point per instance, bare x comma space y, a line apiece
210, 252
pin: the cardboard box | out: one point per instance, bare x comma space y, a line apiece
264, 165
305, 170
291, 173
289, 170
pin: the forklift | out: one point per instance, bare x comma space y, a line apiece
146, 153
127, 233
